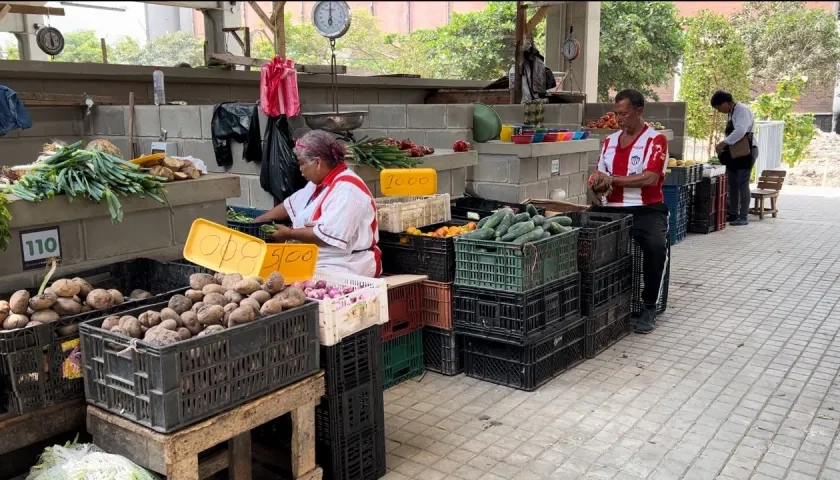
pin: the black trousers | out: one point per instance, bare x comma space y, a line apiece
649, 231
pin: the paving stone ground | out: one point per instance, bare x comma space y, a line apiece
738, 382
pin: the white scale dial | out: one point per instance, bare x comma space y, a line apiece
331, 18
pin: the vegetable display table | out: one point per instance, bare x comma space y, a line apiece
18, 431
176, 454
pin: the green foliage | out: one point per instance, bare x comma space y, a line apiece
83, 46
10, 52
715, 59
784, 39
80, 46
799, 129
125, 52
641, 46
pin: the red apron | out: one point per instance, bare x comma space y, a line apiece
356, 181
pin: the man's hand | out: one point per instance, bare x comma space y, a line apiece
601, 183
720, 147
282, 234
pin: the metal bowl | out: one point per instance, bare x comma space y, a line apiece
334, 122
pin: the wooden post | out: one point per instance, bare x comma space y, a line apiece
104, 48
131, 126
279, 17
517, 56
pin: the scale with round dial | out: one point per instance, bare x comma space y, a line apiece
49, 40
332, 20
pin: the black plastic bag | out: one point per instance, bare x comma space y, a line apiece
238, 122
279, 174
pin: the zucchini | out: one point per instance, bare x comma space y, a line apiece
532, 210
518, 230
561, 219
521, 217
505, 225
545, 235
483, 221
531, 236
497, 218
538, 220
480, 234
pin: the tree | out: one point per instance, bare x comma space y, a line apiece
125, 52
81, 46
785, 39
715, 59
641, 46
10, 52
172, 48
799, 129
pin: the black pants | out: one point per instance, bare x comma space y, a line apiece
738, 180
649, 231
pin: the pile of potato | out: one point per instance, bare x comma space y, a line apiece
213, 303
62, 299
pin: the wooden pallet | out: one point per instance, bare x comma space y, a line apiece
18, 431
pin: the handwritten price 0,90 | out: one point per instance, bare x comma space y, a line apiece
296, 261
232, 254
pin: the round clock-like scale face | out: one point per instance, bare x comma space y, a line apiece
50, 40
571, 49
331, 18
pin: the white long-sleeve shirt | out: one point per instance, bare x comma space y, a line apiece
744, 122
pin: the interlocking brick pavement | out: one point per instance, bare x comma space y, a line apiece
737, 382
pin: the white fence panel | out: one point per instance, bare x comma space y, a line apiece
769, 134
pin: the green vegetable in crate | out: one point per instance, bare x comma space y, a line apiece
233, 216
521, 217
546, 234
518, 230
376, 153
480, 234
483, 221
495, 219
505, 225
538, 220
555, 228
532, 210
561, 219
532, 236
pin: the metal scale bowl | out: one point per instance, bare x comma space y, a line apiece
332, 20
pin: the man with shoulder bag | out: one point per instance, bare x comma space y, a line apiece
738, 153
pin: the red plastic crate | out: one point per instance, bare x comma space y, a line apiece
404, 313
436, 304
723, 188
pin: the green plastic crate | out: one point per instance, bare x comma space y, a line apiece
402, 358
515, 268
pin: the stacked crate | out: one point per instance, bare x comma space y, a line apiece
678, 190
518, 309
636, 305
402, 335
722, 201
704, 208
605, 267
443, 348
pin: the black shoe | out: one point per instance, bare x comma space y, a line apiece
731, 218
646, 323
740, 222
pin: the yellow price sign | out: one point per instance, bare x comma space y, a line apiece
411, 182
224, 250
295, 261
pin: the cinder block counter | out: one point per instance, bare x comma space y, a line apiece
86, 238
514, 173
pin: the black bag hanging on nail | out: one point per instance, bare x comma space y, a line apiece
240, 122
279, 173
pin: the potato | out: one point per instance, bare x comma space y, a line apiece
211, 314
261, 296
183, 333
275, 283
291, 297
19, 302
45, 316
42, 301
5, 309
150, 319
215, 299
99, 299
68, 330
234, 297
67, 306
161, 337
246, 287
168, 324
138, 294
180, 303
132, 326
212, 288
110, 322
194, 295
242, 315
211, 329
84, 286
125, 319
65, 288
170, 314
117, 296
231, 280
231, 307
219, 276
77, 299
15, 321
271, 307
257, 279
33, 323
199, 280
120, 330
86, 308
191, 323
250, 302
196, 306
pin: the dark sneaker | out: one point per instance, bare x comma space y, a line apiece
731, 218
740, 222
645, 323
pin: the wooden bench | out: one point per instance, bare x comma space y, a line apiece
176, 454
769, 185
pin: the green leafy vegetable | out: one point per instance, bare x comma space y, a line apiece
375, 154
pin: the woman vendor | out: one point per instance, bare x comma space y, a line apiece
334, 211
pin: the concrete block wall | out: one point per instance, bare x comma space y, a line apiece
566, 115
670, 114
19, 147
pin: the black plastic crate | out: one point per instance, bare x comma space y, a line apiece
443, 351
602, 238
599, 287
706, 226
482, 207
607, 325
516, 317
253, 229
679, 176
161, 279
703, 200
353, 361
638, 282
525, 367
419, 255
40, 377
171, 387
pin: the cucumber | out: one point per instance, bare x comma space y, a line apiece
518, 230
538, 220
531, 236
545, 235
480, 234
554, 228
505, 225
521, 217
532, 210
561, 219
482, 221
497, 218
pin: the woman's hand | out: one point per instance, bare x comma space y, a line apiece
282, 234
263, 218
720, 147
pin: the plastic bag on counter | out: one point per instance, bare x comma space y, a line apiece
87, 461
279, 174
279, 89
238, 122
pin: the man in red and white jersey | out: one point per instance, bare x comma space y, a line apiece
630, 174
